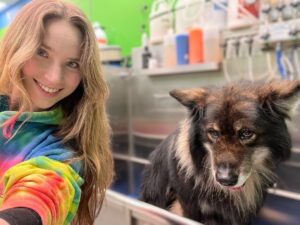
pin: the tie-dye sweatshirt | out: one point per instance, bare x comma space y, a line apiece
33, 169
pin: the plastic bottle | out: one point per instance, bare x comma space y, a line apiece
218, 14
160, 20
211, 31
169, 49
196, 45
212, 45
182, 49
146, 55
144, 40
100, 34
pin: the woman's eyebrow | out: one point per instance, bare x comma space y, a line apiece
50, 49
46, 46
74, 59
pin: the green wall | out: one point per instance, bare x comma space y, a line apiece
122, 19
85, 5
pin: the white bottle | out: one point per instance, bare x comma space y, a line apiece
169, 49
212, 30
100, 34
212, 45
219, 14
160, 20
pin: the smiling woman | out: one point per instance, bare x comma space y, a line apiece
52, 74
55, 161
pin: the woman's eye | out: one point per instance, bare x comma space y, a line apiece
42, 52
246, 134
73, 65
213, 134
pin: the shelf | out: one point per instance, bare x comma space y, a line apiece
182, 69
131, 158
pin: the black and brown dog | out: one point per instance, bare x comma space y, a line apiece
220, 161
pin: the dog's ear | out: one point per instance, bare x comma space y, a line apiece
190, 97
280, 97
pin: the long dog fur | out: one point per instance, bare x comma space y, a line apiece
183, 167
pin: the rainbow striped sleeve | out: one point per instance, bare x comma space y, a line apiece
49, 187
33, 168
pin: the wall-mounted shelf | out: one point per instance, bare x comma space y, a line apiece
182, 69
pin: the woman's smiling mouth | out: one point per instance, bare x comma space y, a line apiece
47, 89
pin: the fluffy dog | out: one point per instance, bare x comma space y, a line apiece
220, 161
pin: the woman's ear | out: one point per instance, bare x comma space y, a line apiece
280, 97
190, 97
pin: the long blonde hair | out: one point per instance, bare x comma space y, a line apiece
85, 124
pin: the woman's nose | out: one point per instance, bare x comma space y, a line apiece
54, 74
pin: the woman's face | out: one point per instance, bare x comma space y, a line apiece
53, 72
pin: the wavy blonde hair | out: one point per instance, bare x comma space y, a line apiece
85, 124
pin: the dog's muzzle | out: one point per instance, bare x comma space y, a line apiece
226, 175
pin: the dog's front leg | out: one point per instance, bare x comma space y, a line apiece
156, 187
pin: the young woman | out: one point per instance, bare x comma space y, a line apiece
55, 160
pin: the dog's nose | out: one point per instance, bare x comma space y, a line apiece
226, 175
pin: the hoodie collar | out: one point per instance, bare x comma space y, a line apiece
51, 117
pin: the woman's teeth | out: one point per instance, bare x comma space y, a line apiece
47, 89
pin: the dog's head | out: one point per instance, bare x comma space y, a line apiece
242, 126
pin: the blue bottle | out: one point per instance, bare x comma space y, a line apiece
182, 49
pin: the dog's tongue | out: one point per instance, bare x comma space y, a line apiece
240, 188
236, 188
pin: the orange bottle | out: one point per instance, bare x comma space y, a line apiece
196, 54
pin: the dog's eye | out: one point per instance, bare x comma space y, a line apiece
213, 134
246, 134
